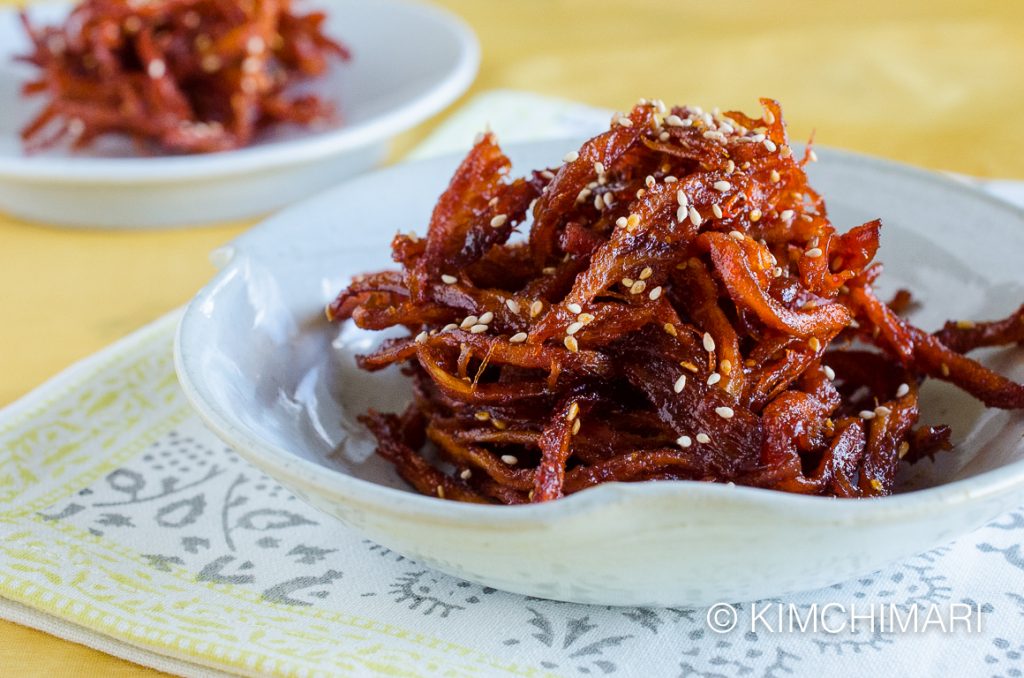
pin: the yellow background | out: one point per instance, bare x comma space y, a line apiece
930, 82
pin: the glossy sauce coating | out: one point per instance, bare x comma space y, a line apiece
681, 309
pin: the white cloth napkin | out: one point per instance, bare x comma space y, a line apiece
125, 525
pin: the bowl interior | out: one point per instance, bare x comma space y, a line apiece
258, 352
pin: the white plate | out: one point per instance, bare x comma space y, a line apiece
409, 61
278, 383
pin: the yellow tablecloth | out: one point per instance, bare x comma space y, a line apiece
934, 83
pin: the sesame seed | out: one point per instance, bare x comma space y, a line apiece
681, 214
576, 426
712, 134
830, 373
571, 344
598, 203
512, 305
518, 338
670, 179
903, 390
709, 342
574, 410
786, 215
876, 484
477, 329
655, 293
716, 210
499, 220
548, 174
945, 370
637, 287
573, 328
482, 415
627, 282
684, 441
421, 337
814, 343
449, 279
449, 327
607, 199
211, 63
156, 69
703, 438
680, 384
585, 318
440, 492
882, 411
755, 214
625, 122
867, 415
769, 145
722, 186
812, 156
785, 152
499, 424
681, 198
694, 216
571, 156
466, 474
775, 177
674, 121
813, 253
670, 329
965, 324
510, 459
548, 270
904, 448
736, 235
646, 273
575, 308
730, 166
486, 318
758, 138
621, 222
726, 366
469, 321
777, 272
714, 378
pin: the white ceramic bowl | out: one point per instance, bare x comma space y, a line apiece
278, 383
409, 61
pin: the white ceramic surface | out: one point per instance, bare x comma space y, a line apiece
410, 60
278, 383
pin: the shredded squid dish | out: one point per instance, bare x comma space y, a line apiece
681, 309
179, 76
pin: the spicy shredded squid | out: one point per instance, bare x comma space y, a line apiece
682, 309
184, 76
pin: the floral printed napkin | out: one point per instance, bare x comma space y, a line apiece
127, 526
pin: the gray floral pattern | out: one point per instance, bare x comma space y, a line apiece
190, 504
